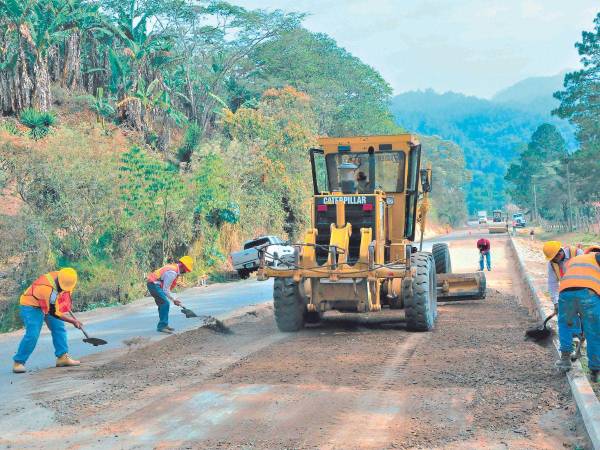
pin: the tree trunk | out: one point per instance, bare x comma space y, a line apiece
42, 98
71, 76
54, 62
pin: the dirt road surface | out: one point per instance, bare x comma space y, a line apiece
346, 384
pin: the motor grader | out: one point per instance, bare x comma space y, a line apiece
370, 196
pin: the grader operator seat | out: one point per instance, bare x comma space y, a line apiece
370, 193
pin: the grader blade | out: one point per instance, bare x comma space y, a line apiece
460, 286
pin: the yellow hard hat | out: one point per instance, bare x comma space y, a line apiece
551, 249
188, 262
592, 248
67, 279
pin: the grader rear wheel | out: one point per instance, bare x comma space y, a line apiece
421, 307
289, 305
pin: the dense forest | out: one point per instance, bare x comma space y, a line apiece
553, 182
135, 131
490, 131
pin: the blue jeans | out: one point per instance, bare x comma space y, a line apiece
162, 301
583, 304
488, 260
33, 318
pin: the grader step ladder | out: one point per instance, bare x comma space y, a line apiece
370, 192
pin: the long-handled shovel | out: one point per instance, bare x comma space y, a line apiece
540, 333
188, 312
90, 340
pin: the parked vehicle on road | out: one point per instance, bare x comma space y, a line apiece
247, 261
482, 217
519, 220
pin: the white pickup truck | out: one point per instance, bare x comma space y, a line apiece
246, 261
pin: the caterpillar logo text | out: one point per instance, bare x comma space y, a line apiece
348, 200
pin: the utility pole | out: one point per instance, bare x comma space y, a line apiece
535, 209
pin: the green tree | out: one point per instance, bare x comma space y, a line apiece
580, 104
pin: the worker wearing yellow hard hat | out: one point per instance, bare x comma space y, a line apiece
47, 299
160, 284
579, 300
558, 256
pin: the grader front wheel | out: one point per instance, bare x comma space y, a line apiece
289, 305
421, 307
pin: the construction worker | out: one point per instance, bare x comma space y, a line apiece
557, 257
47, 299
484, 247
579, 298
160, 284
362, 183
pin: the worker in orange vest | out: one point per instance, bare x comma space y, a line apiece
580, 297
558, 256
47, 299
160, 284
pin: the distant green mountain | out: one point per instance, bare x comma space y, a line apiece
532, 94
489, 131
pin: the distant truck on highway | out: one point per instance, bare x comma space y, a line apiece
482, 216
519, 220
247, 261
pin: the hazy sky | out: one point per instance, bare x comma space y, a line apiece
472, 46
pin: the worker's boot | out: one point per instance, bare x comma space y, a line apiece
19, 367
170, 328
66, 361
166, 330
564, 363
595, 376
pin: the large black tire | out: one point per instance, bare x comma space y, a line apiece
441, 256
289, 305
244, 274
421, 307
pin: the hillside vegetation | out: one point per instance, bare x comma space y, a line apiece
490, 131
138, 131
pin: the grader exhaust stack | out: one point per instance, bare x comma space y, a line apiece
359, 255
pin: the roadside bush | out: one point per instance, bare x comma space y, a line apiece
38, 122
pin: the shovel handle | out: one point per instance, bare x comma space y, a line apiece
548, 318
82, 330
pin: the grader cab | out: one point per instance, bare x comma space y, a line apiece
370, 195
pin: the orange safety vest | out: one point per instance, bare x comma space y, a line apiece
39, 293
583, 271
556, 266
157, 275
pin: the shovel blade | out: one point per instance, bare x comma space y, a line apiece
538, 334
95, 341
188, 313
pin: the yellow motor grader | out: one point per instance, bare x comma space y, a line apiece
370, 196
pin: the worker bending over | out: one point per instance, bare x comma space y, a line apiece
160, 285
557, 257
580, 298
485, 248
47, 299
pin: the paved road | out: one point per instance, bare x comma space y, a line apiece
139, 318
